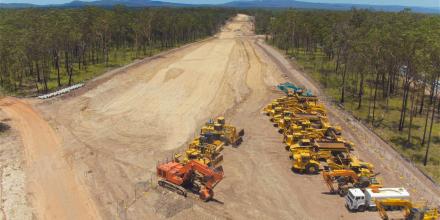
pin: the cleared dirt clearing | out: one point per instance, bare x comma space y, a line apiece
114, 133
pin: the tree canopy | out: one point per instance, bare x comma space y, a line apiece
42, 46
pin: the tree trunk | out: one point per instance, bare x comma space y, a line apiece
375, 96
361, 91
411, 116
343, 84
425, 160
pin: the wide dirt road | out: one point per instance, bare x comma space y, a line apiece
54, 191
115, 130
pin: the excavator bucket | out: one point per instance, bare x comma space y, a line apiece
206, 194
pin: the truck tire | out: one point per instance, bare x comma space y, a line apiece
312, 168
361, 208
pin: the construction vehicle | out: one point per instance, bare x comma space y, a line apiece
306, 155
347, 179
289, 88
326, 150
362, 199
348, 161
306, 121
223, 132
204, 150
411, 211
305, 161
193, 176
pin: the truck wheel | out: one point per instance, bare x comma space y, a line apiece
361, 208
312, 168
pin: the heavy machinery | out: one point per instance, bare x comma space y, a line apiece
295, 103
410, 210
305, 161
203, 149
223, 132
307, 154
307, 122
299, 112
321, 138
288, 88
193, 176
325, 150
347, 179
348, 161
362, 199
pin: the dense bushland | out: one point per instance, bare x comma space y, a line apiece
43, 49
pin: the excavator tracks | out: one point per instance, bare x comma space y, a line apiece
172, 187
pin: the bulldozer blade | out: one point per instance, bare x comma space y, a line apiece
238, 142
217, 161
241, 133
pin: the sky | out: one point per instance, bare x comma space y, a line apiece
420, 3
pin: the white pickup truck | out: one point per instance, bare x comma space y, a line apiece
360, 200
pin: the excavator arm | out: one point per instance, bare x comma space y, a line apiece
210, 178
331, 176
403, 203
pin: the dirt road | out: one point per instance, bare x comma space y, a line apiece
114, 132
54, 191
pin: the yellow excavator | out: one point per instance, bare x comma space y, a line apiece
223, 132
347, 178
410, 210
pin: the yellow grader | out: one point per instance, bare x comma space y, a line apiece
223, 132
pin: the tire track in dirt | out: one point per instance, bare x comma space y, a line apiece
54, 190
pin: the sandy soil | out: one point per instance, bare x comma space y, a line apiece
54, 192
107, 138
13, 202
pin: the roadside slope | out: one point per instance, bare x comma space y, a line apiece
55, 192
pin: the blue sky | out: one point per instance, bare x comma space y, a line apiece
421, 3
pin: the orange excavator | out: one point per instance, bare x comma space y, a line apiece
348, 178
194, 176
